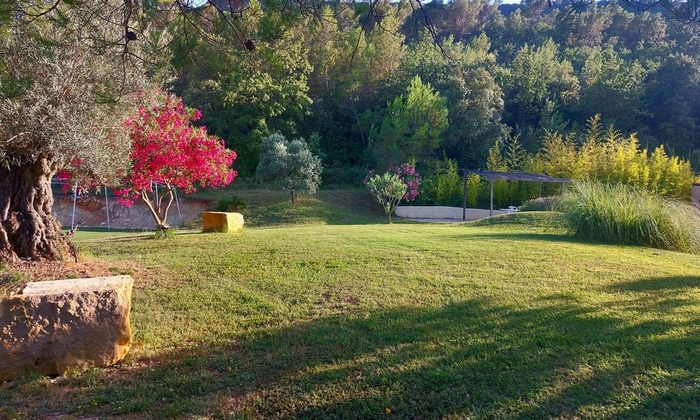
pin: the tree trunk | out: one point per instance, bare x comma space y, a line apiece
294, 197
27, 228
156, 207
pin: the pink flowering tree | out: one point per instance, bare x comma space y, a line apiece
169, 152
408, 175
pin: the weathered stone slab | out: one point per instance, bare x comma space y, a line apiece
219, 221
52, 326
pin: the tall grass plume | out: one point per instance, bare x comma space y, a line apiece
622, 215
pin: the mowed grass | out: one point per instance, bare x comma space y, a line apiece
406, 321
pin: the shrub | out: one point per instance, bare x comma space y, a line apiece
164, 232
623, 215
234, 203
388, 190
540, 204
410, 177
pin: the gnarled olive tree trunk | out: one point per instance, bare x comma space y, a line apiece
27, 228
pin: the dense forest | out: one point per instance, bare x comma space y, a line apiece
374, 88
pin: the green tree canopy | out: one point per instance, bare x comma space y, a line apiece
289, 165
412, 126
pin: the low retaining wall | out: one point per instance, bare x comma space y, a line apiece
443, 212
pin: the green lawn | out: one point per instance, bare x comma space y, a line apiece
408, 321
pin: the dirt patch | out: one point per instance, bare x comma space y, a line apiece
93, 212
14, 276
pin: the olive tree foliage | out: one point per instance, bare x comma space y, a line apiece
62, 101
289, 164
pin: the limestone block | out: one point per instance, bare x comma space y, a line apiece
50, 327
219, 221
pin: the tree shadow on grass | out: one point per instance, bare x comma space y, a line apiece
561, 237
472, 359
665, 285
520, 236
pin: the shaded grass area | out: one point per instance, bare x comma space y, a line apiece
539, 220
392, 321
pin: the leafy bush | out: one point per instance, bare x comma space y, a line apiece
164, 232
540, 204
408, 175
610, 156
388, 189
620, 214
234, 203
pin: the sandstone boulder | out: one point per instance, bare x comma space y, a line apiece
52, 326
219, 221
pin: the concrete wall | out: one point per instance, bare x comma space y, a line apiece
442, 212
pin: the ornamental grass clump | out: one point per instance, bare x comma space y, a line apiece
622, 215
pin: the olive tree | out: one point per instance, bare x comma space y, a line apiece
289, 164
61, 102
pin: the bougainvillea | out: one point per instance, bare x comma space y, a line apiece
169, 152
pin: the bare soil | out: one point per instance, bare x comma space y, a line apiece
91, 211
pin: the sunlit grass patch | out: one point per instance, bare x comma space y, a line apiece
373, 321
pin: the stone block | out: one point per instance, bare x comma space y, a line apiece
219, 221
50, 327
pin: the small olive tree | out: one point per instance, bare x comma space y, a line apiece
289, 164
388, 189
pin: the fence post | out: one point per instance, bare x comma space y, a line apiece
75, 200
107, 206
